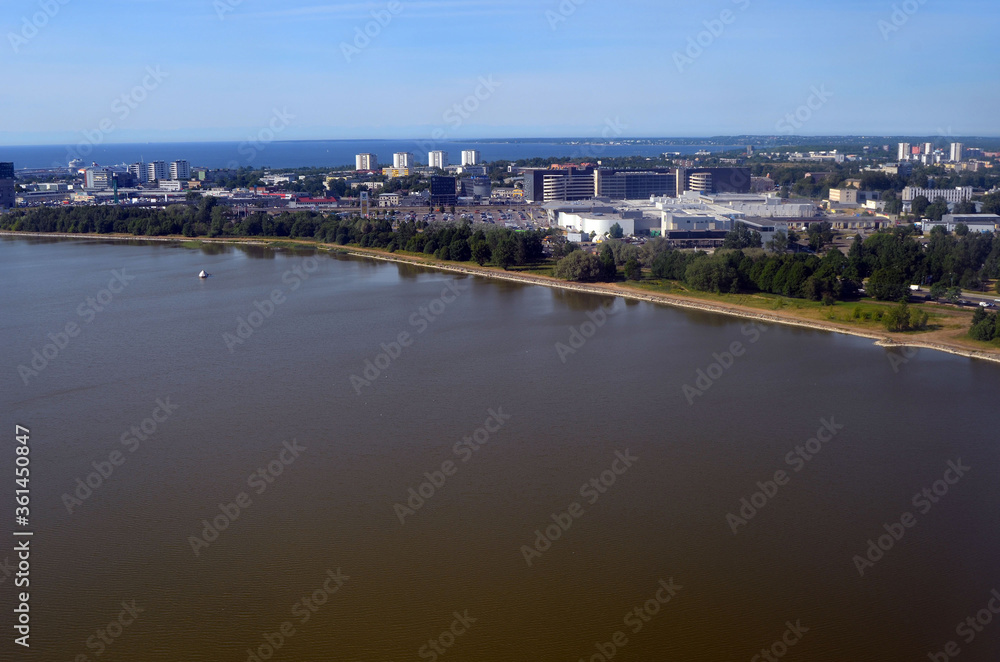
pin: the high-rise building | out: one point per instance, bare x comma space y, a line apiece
904, 151
957, 152
98, 179
140, 172
157, 170
366, 162
403, 160
437, 159
180, 171
928, 148
444, 191
7, 186
470, 157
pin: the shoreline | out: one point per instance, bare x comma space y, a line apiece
885, 340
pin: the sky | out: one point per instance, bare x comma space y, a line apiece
206, 70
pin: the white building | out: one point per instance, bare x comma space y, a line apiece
471, 157
437, 159
957, 151
180, 171
366, 162
976, 223
140, 172
401, 160
156, 170
950, 195
904, 151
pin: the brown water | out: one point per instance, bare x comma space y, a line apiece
483, 347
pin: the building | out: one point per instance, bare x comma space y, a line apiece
633, 184
985, 223
471, 157
957, 151
928, 148
713, 180
444, 191
402, 160
437, 159
7, 186
366, 162
558, 185
950, 195
904, 152
396, 172
478, 187
139, 171
156, 171
844, 196
180, 171
98, 179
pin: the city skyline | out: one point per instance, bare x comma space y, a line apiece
453, 70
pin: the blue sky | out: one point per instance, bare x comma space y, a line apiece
555, 68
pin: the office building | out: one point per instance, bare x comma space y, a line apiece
950, 195
180, 171
471, 157
7, 186
713, 180
904, 151
156, 171
957, 152
444, 191
98, 179
402, 160
139, 171
366, 162
437, 159
633, 184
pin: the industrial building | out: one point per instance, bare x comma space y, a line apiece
984, 223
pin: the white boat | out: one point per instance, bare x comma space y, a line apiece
203, 274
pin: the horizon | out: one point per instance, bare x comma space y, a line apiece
468, 69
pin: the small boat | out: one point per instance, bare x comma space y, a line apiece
203, 274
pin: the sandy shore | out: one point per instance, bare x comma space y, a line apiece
604, 289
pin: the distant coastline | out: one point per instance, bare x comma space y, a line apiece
784, 317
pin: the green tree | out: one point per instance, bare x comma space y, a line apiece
480, 250
936, 210
741, 237
778, 243
579, 266
919, 205
888, 285
632, 269
609, 268
616, 231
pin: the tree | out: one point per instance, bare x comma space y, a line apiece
480, 250
888, 285
820, 234
919, 205
609, 269
741, 237
616, 231
579, 266
965, 207
778, 243
936, 210
632, 269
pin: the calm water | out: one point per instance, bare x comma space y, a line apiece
315, 153
490, 347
